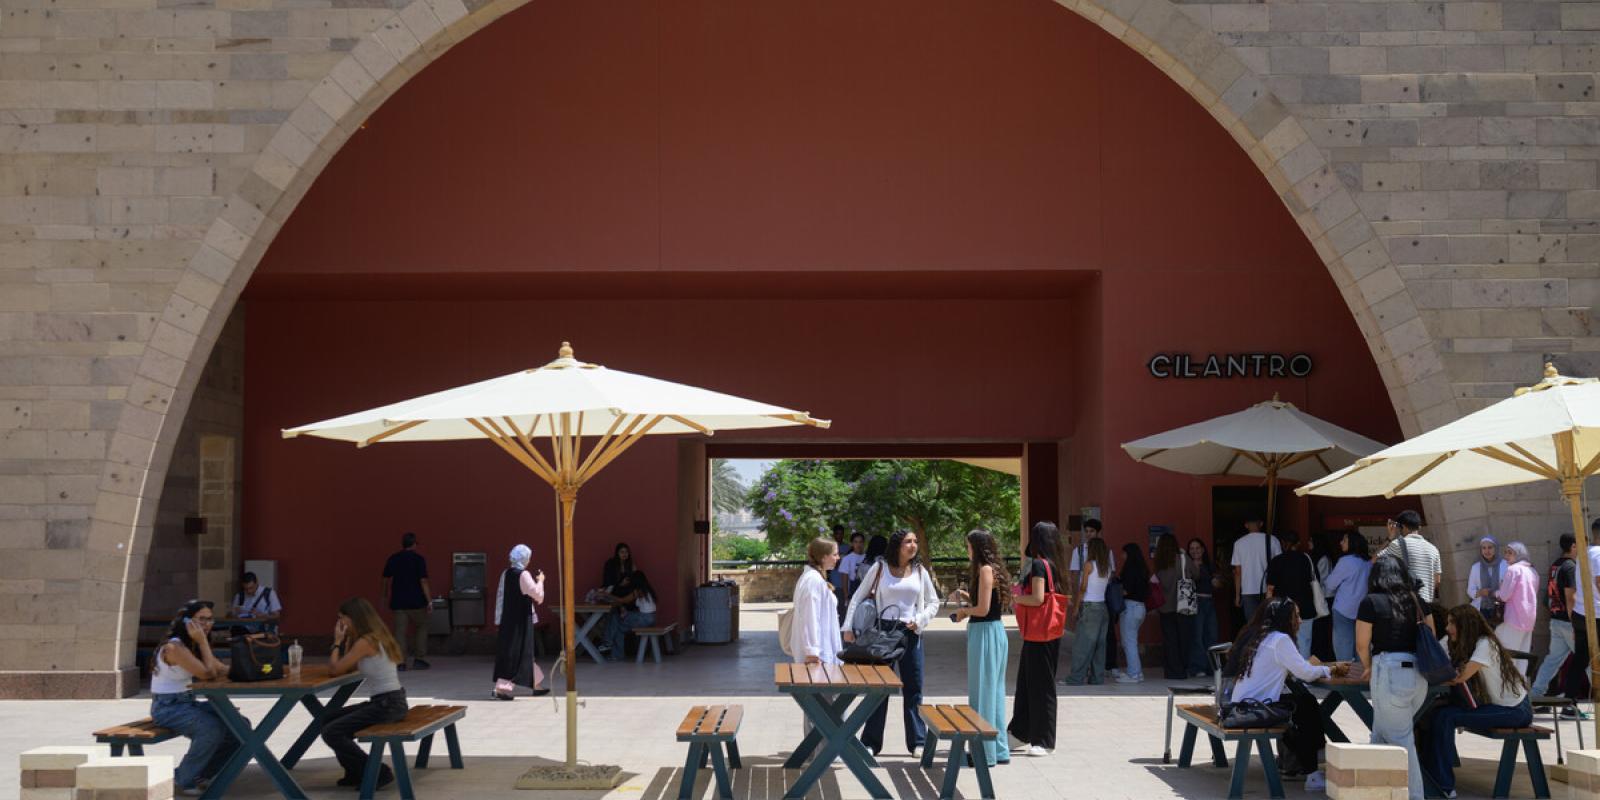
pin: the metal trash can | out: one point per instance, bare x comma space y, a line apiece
439, 617
716, 612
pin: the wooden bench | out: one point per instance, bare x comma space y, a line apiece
967, 730
1529, 738
134, 736
420, 723
652, 637
1205, 718
708, 730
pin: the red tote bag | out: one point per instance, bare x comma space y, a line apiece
1045, 622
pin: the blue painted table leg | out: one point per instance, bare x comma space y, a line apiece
1241, 766
1269, 765
981, 766
402, 773
719, 769
1508, 766
423, 750
836, 745
452, 746
733, 755
1330, 728
1541, 788
369, 776
253, 744
952, 768
1219, 756
116, 749
691, 766
930, 745
1186, 751
808, 745
1358, 703
319, 717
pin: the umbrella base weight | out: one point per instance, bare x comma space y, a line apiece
561, 776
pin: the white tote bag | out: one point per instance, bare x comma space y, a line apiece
1187, 603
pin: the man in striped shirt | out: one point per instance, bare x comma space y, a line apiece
1418, 554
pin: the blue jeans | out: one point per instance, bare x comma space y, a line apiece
617, 628
1248, 603
1087, 662
1302, 639
210, 743
1398, 693
910, 669
1560, 648
1344, 637
1128, 629
1205, 634
1439, 753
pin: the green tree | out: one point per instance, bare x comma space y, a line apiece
738, 547
798, 501
727, 493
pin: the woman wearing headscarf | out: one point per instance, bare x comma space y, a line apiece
1519, 592
1483, 579
518, 593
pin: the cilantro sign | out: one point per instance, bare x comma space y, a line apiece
1230, 365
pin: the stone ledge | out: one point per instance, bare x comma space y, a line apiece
68, 684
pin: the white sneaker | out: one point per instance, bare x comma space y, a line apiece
1125, 678
1316, 782
1036, 750
1017, 745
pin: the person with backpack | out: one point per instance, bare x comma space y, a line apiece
1033, 717
811, 635
259, 604
1558, 591
905, 598
986, 637
1251, 554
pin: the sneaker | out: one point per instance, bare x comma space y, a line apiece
418, 663
1014, 743
191, 791
1292, 775
1036, 750
352, 781
1125, 678
1317, 782
1450, 794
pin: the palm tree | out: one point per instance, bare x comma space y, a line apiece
727, 493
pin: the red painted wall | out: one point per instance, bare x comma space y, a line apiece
946, 221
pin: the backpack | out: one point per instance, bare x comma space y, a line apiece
1554, 597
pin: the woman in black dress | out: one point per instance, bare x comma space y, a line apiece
519, 590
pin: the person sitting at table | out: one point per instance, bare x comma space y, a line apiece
256, 602
1261, 661
1386, 640
617, 567
1494, 682
362, 642
634, 606
187, 655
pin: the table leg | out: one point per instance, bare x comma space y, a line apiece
589, 621
1326, 707
319, 716
691, 766
952, 768
253, 744
808, 745
981, 766
1359, 704
838, 738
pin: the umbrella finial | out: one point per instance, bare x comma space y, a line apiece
565, 351
1275, 398
1550, 370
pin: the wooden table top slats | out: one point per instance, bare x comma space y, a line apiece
732, 716
711, 721
311, 677
417, 721
142, 729
691, 720
583, 608
847, 676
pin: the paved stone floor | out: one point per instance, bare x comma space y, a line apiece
1109, 739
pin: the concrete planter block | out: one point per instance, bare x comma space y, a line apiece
129, 778
1366, 772
49, 773
1583, 774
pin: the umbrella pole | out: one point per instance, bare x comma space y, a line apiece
1272, 497
1572, 488
569, 499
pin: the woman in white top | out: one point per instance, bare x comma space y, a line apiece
1261, 661
362, 642
185, 656
813, 636
906, 598
1496, 685
1087, 664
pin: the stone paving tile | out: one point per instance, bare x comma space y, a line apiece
1109, 736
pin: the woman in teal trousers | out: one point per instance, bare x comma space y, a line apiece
986, 639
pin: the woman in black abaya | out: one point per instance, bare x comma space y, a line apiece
520, 589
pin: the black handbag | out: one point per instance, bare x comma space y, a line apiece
255, 657
1256, 714
882, 642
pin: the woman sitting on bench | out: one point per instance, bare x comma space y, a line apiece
1495, 694
186, 655
1263, 658
362, 642
635, 605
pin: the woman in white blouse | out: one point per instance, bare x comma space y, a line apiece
903, 591
1262, 659
813, 635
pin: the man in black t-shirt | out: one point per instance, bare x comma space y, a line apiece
1559, 589
405, 586
1289, 574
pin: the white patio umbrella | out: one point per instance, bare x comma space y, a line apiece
560, 404
1548, 431
1273, 440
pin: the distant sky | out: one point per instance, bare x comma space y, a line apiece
750, 469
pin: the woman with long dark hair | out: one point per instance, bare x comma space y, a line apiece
1386, 641
633, 606
362, 642
516, 613
618, 566
1088, 657
1205, 580
1496, 683
184, 656
1136, 589
986, 636
1177, 630
1347, 583
1033, 717
906, 598
1264, 656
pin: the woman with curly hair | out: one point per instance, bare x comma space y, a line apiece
1497, 686
986, 637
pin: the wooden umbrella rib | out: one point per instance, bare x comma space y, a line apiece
1227, 468
401, 428
531, 456
1591, 467
526, 440
1326, 470
1504, 457
1421, 472
689, 423
1254, 457
514, 452
619, 446
1531, 457
577, 442
1297, 458
604, 440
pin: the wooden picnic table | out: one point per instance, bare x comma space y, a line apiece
825, 693
590, 615
289, 690
1353, 690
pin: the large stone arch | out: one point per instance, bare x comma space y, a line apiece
382, 61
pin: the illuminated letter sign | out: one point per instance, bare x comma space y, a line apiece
1230, 365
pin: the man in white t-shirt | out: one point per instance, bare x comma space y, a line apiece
1251, 552
850, 564
1080, 554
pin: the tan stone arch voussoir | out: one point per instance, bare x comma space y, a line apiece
382, 61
